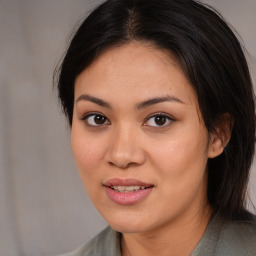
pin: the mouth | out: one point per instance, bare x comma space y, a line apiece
127, 191
127, 185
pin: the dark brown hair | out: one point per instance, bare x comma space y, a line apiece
211, 57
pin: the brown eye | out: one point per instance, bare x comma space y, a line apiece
96, 120
159, 120
99, 119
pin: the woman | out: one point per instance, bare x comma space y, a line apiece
161, 107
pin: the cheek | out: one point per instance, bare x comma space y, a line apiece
88, 152
181, 166
88, 155
183, 156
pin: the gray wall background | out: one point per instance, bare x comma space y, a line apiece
43, 207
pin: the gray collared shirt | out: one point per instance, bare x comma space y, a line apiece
221, 238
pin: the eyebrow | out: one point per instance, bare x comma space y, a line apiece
156, 100
95, 100
138, 106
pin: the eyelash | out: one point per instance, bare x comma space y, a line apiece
91, 114
167, 118
162, 115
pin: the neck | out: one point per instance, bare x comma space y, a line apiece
177, 238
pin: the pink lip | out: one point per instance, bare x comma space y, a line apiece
126, 182
128, 198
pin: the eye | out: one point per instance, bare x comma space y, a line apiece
95, 119
159, 120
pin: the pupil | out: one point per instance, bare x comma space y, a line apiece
160, 120
99, 119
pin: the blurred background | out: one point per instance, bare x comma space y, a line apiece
44, 210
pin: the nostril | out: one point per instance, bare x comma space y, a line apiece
123, 165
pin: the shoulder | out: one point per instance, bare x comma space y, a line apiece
225, 238
238, 238
106, 243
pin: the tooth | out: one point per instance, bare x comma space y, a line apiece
127, 189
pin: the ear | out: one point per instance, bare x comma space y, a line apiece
220, 137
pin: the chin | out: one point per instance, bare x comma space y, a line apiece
125, 227
129, 222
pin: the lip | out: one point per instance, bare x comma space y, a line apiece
127, 198
126, 182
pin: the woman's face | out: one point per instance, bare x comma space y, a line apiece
139, 140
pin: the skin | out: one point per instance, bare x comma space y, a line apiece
130, 144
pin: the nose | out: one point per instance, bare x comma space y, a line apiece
124, 150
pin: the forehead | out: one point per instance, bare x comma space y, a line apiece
137, 70
131, 54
